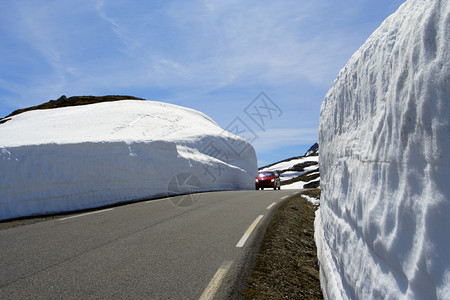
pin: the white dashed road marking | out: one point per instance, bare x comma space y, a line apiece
214, 284
271, 205
248, 232
86, 214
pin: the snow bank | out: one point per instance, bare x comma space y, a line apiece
313, 201
382, 228
294, 186
89, 156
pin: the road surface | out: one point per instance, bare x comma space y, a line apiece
158, 249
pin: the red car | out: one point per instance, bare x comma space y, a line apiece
267, 179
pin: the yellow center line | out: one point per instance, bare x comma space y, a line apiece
248, 232
214, 284
271, 205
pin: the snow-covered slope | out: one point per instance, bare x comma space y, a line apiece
297, 172
382, 228
94, 155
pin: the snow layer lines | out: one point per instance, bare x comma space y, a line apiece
382, 228
95, 155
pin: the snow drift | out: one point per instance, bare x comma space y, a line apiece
382, 228
94, 155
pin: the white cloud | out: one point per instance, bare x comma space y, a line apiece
223, 43
179, 44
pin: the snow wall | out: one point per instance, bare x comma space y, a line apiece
95, 155
382, 230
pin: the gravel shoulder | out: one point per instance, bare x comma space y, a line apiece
286, 266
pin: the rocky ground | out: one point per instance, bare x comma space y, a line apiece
286, 266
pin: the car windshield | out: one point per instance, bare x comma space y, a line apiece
266, 174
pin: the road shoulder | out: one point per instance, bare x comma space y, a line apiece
286, 265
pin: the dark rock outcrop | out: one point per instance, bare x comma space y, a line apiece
313, 151
63, 101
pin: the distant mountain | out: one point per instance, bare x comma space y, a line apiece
300, 171
314, 150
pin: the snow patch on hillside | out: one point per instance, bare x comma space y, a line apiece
95, 155
292, 170
382, 228
285, 165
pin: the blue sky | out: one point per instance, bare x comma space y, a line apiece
213, 56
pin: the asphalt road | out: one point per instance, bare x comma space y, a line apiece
185, 247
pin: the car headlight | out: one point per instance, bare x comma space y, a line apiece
256, 180
272, 180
